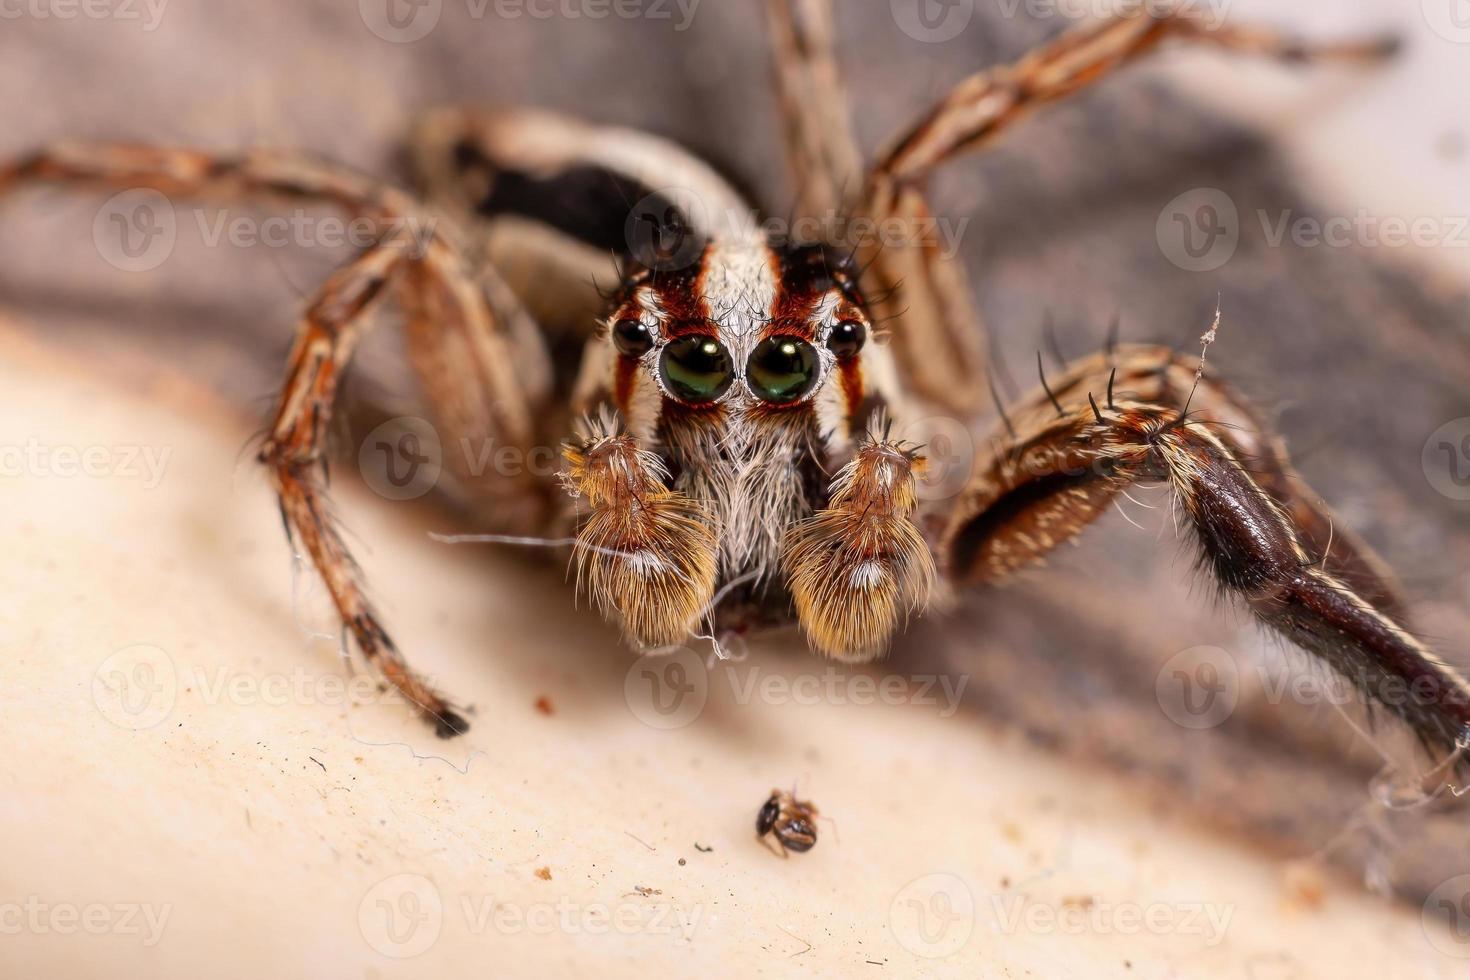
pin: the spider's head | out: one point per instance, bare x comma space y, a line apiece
750, 334
745, 369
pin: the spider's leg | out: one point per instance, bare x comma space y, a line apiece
915, 287
982, 107
645, 554
859, 567
293, 453
181, 172
1058, 474
483, 369
918, 289
1160, 376
821, 151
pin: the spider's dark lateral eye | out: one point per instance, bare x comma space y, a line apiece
847, 338
696, 369
782, 369
632, 337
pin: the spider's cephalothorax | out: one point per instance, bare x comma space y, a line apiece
734, 464
751, 373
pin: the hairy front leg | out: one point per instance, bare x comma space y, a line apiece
645, 554
860, 567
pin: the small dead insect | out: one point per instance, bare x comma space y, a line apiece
791, 821
736, 465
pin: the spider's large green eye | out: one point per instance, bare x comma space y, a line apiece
782, 369
696, 369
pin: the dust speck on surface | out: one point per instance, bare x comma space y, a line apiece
1305, 886
544, 873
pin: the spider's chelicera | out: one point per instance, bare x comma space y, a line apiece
733, 465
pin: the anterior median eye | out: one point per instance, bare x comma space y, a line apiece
782, 369
696, 369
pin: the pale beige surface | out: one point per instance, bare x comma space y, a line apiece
211, 779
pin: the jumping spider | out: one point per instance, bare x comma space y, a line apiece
733, 468
791, 821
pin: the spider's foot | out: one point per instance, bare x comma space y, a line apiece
448, 724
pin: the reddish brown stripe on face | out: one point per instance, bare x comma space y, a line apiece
625, 371
850, 376
802, 286
681, 292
